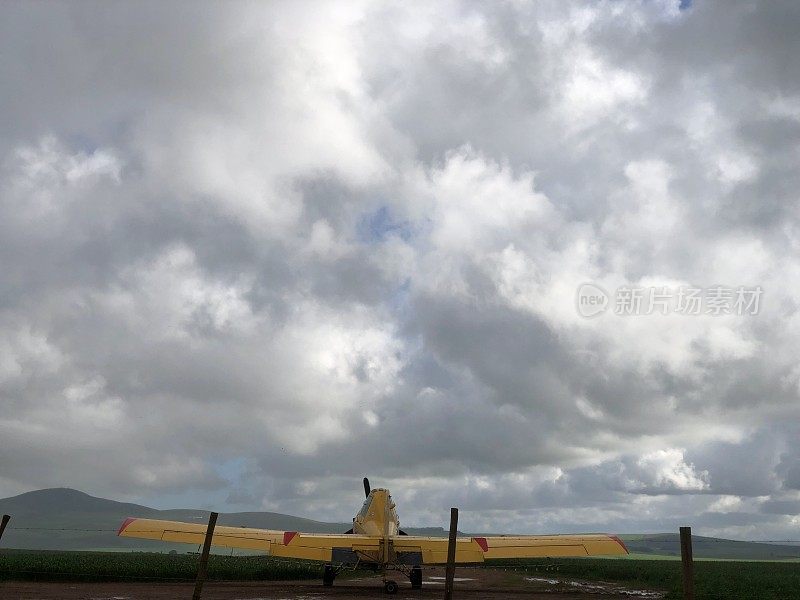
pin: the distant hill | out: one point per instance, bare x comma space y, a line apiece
66, 519
668, 544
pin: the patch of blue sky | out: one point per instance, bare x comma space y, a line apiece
400, 299
230, 471
376, 226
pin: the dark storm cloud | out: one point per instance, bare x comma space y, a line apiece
318, 241
781, 507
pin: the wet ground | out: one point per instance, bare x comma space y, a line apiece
479, 584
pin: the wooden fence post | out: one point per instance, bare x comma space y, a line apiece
202, 570
3, 523
451, 555
688, 565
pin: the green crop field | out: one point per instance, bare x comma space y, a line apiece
714, 580
145, 566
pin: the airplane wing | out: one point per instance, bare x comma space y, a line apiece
350, 548
289, 544
478, 549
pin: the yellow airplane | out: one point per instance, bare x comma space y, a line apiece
377, 542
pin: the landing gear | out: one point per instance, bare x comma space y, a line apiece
416, 577
328, 576
390, 587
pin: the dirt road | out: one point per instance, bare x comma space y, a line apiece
484, 584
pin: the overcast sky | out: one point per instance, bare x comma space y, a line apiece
252, 252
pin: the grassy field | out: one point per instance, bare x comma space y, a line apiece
646, 556
42, 565
714, 580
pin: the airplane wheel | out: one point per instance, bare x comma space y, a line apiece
328, 576
416, 578
390, 587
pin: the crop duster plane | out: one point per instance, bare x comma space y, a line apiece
377, 542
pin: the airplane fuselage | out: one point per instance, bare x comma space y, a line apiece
378, 516
378, 519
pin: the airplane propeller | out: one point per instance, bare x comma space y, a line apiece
366, 493
367, 490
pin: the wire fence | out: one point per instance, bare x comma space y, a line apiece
168, 567
654, 538
114, 571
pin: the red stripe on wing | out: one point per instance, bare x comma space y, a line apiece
620, 542
288, 536
125, 523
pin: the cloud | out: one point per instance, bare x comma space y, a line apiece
252, 255
668, 470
